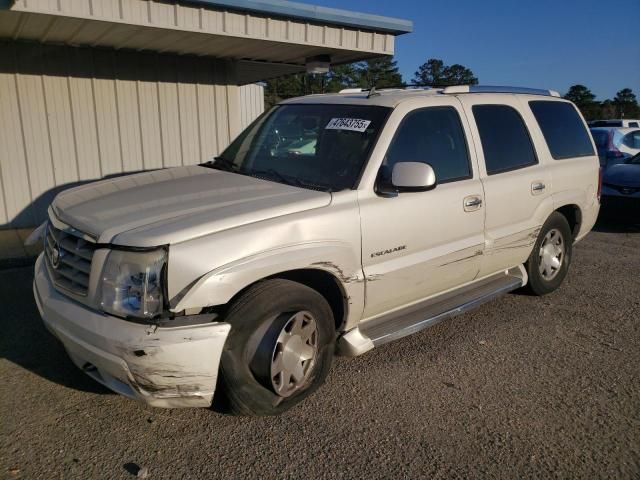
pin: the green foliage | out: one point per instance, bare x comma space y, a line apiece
624, 105
580, 95
435, 72
585, 100
378, 72
383, 72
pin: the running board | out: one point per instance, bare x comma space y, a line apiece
429, 312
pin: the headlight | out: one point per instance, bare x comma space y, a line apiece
132, 283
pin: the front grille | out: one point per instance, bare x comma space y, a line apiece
69, 259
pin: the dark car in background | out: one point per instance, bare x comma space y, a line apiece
621, 184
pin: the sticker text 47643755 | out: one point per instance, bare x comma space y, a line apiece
353, 124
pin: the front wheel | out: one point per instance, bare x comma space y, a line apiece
280, 347
549, 261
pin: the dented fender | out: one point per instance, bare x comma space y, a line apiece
210, 270
219, 286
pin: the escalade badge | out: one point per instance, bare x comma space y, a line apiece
55, 255
388, 251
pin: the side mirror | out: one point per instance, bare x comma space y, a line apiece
413, 177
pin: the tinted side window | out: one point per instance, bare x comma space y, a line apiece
434, 136
505, 138
634, 125
632, 139
562, 128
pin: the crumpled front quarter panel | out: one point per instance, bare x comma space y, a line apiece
210, 270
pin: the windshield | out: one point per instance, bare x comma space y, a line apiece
321, 147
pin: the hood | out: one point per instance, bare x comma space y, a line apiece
623, 175
177, 204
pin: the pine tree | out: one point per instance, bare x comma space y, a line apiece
585, 100
434, 72
379, 72
626, 104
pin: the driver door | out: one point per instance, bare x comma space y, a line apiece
418, 244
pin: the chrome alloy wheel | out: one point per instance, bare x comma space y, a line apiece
551, 254
294, 353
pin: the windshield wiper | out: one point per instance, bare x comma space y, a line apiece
221, 163
288, 179
271, 173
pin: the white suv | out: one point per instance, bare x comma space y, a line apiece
333, 223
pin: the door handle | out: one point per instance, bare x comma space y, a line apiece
537, 187
472, 203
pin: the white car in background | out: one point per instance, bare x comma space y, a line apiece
620, 123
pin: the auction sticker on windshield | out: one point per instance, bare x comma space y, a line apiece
353, 124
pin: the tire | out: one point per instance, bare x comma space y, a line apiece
255, 347
545, 275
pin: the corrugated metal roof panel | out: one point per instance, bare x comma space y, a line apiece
185, 28
314, 13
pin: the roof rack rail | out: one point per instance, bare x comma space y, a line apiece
408, 86
498, 89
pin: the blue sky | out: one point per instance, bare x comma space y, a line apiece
542, 43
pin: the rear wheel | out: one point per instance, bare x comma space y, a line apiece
549, 261
280, 347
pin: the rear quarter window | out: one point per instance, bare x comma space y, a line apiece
563, 129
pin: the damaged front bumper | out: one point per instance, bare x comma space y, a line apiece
162, 366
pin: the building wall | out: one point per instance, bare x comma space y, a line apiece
70, 115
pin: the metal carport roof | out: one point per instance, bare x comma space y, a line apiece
267, 38
315, 13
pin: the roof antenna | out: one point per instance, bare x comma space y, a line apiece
372, 92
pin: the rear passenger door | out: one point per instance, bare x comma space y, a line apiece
517, 185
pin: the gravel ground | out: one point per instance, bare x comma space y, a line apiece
522, 387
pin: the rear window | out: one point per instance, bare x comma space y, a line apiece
505, 139
634, 124
562, 128
606, 123
632, 139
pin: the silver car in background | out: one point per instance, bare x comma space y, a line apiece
615, 145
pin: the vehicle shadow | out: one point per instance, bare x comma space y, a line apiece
618, 219
25, 341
